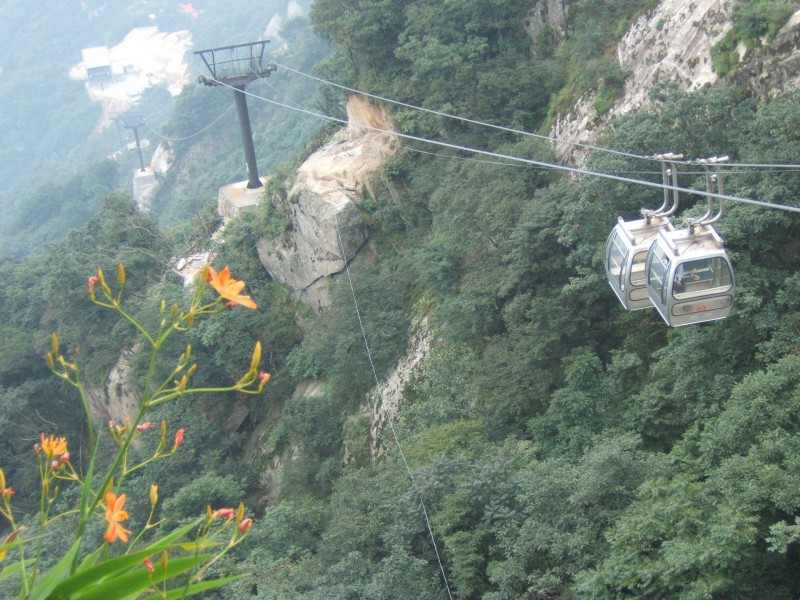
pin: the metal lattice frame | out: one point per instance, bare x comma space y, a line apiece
236, 66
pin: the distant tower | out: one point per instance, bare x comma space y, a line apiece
236, 66
135, 126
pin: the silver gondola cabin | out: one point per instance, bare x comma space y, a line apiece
629, 241
689, 275
626, 252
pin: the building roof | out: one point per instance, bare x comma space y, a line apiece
96, 57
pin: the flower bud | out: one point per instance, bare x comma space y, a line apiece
240, 512
178, 439
54, 465
148, 564
144, 426
2, 480
103, 284
64, 458
256, 357
121, 274
163, 307
223, 513
245, 525
93, 281
54, 342
264, 378
50, 362
153, 495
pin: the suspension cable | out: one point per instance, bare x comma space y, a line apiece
519, 131
528, 161
169, 139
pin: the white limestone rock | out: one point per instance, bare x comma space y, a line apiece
323, 203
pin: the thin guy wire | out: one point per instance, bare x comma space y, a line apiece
464, 119
389, 419
529, 161
782, 168
169, 139
626, 171
517, 131
506, 164
467, 158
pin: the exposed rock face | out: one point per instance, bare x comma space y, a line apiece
547, 17
119, 401
323, 204
311, 252
385, 401
775, 67
670, 44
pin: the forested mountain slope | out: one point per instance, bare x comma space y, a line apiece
562, 447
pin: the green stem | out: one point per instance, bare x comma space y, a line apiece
86, 410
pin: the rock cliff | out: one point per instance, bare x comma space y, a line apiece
385, 400
119, 401
323, 203
672, 43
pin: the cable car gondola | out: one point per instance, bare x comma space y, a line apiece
629, 241
689, 274
626, 253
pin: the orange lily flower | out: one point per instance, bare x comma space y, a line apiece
115, 515
229, 288
53, 445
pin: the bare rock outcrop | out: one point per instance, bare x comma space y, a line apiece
774, 68
119, 400
327, 228
547, 18
385, 400
672, 43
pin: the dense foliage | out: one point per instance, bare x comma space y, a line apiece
563, 448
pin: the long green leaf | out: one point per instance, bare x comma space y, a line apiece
18, 542
197, 588
10, 571
49, 582
168, 540
120, 564
110, 568
87, 481
83, 509
137, 581
90, 559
